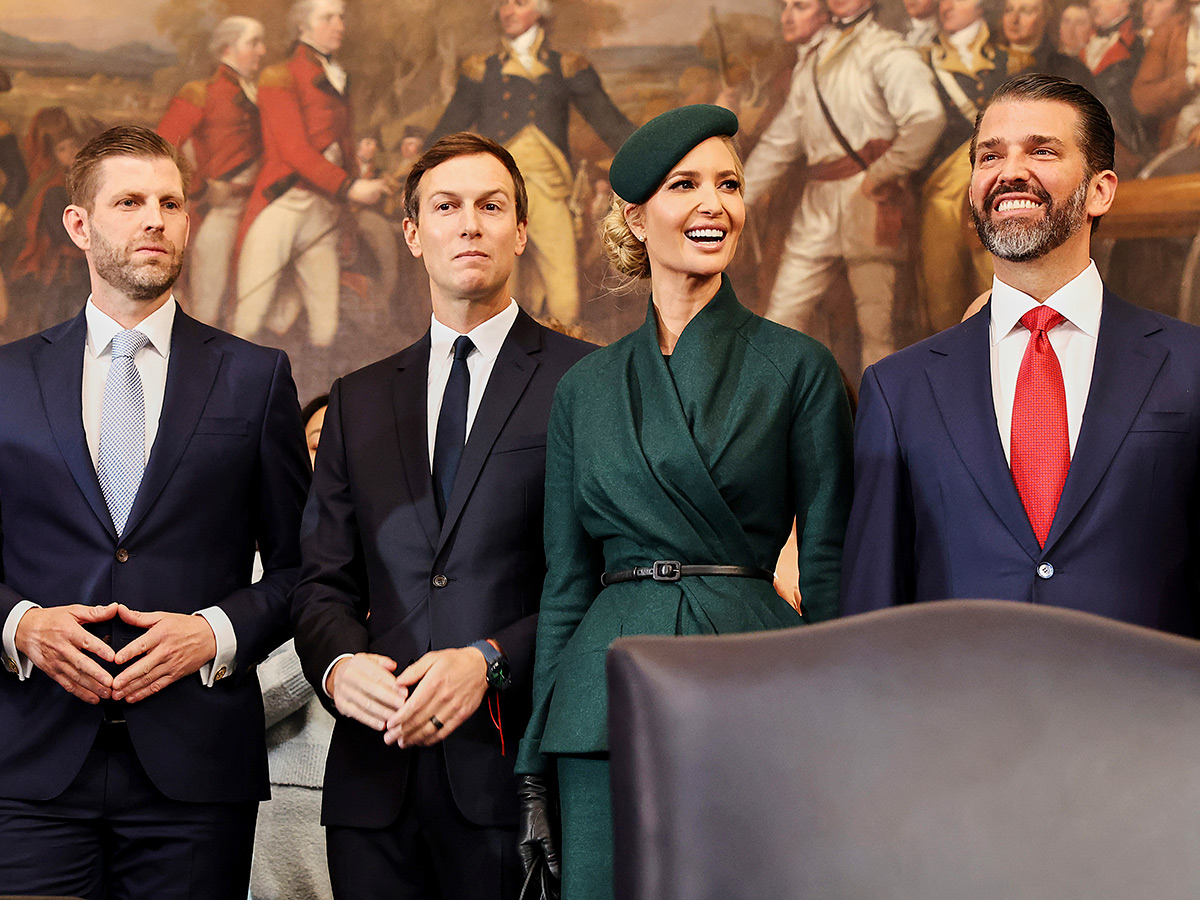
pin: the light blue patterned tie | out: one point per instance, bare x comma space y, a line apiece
122, 456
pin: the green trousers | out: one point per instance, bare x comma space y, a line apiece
587, 829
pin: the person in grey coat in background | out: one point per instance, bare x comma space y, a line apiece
289, 844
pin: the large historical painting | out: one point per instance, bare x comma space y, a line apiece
71, 68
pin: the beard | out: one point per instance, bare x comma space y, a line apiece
139, 280
1021, 239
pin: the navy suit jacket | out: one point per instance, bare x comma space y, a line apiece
228, 469
372, 545
936, 514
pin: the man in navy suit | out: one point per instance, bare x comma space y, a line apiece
422, 555
143, 456
1046, 450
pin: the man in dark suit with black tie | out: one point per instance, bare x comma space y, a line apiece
1047, 449
143, 456
422, 555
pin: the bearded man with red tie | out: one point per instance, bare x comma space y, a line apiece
1046, 450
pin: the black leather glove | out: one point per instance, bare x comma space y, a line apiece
537, 835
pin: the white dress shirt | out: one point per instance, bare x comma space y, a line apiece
1074, 343
488, 337
151, 362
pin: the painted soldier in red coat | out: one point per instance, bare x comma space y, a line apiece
219, 118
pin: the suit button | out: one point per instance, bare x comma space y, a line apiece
1045, 570
533, 96
107, 638
440, 581
508, 95
10, 664
221, 673
504, 115
122, 555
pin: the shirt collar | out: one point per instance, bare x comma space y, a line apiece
157, 326
964, 38
844, 24
487, 336
1079, 302
523, 43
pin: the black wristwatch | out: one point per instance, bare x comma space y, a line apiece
499, 675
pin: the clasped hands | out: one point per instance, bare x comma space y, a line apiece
443, 686
173, 645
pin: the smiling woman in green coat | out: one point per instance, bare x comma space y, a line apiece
692, 442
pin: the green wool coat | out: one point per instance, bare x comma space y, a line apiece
703, 458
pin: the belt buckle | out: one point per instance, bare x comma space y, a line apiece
666, 570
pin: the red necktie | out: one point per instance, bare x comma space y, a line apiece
1040, 449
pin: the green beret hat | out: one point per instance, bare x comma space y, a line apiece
648, 155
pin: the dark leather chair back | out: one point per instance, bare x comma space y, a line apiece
964, 750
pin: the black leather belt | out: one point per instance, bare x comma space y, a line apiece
671, 570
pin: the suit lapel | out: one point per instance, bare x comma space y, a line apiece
510, 376
59, 368
1125, 368
191, 371
410, 399
961, 379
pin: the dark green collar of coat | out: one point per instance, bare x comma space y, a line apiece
719, 318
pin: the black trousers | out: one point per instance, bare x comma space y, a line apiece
431, 852
112, 835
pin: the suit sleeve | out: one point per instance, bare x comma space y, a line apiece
879, 539
574, 564
260, 613
820, 463
330, 605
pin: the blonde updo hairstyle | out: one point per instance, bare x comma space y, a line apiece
627, 255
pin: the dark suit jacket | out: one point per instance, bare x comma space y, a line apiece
936, 514
227, 470
372, 544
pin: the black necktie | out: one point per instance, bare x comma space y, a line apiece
451, 425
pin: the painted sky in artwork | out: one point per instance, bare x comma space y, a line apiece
90, 24
101, 24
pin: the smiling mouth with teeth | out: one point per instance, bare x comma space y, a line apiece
705, 235
1005, 205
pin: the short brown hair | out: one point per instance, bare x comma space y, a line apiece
463, 143
120, 140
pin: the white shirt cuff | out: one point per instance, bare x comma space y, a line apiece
328, 669
14, 662
221, 665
